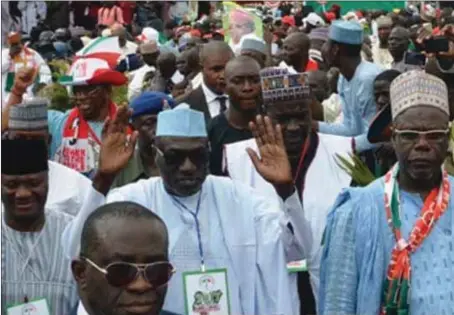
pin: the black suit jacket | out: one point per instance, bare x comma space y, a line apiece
197, 101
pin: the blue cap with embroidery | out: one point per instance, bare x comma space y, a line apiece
346, 32
150, 103
181, 122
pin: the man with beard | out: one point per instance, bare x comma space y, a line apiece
76, 133
396, 233
403, 60
355, 85
287, 100
380, 52
35, 272
296, 52
243, 88
145, 110
210, 97
123, 266
214, 222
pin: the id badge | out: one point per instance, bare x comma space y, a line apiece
297, 266
206, 292
36, 307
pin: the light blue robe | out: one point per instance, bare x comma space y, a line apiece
240, 231
357, 250
358, 105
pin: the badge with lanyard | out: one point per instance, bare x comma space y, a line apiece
35, 307
205, 291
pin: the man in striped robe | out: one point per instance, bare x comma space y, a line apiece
34, 269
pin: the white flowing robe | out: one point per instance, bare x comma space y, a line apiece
323, 183
241, 231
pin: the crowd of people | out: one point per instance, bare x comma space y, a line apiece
196, 167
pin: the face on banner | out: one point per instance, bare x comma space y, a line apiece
239, 22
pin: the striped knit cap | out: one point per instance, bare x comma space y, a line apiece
30, 115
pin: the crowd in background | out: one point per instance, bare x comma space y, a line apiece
298, 159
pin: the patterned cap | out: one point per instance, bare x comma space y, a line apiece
417, 88
29, 116
280, 85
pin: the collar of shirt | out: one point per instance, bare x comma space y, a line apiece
210, 96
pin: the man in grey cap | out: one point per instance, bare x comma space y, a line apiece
380, 52
256, 49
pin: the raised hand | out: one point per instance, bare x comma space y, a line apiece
116, 147
273, 164
24, 78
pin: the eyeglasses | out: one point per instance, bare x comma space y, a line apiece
77, 99
407, 135
177, 158
120, 274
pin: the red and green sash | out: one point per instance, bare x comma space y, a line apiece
396, 295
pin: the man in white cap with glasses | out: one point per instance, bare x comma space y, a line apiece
76, 134
388, 247
219, 229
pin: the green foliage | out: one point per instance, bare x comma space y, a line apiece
356, 168
120, 94
57, 95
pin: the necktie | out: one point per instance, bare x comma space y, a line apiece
222, 101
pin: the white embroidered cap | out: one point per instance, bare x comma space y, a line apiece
416, 88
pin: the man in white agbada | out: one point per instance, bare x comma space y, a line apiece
16, 57
213, 222
317, 176
35, 272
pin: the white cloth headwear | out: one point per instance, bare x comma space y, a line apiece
418, 88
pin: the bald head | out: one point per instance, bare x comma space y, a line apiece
214, 48
97, 227
298, 39
241, 64
398, 42
401, 32
166, 64
296, 50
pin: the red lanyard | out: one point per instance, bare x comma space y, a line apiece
303, 155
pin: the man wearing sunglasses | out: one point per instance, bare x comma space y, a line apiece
396, 233
123, 266
217, 226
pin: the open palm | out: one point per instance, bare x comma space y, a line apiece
273, 164
116, 147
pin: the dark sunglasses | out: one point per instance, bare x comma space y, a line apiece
120, 274
176, 158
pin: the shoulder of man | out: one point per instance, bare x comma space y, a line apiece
167, 313
191, 97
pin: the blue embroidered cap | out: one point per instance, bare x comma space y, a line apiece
346, 32
150, 103
181, 122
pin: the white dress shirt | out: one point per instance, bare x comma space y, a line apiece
135, 85
214, 106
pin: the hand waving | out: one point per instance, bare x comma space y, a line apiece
116, 147
24, 78
273, 164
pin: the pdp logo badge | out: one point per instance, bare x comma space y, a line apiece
207, 282
29, 309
